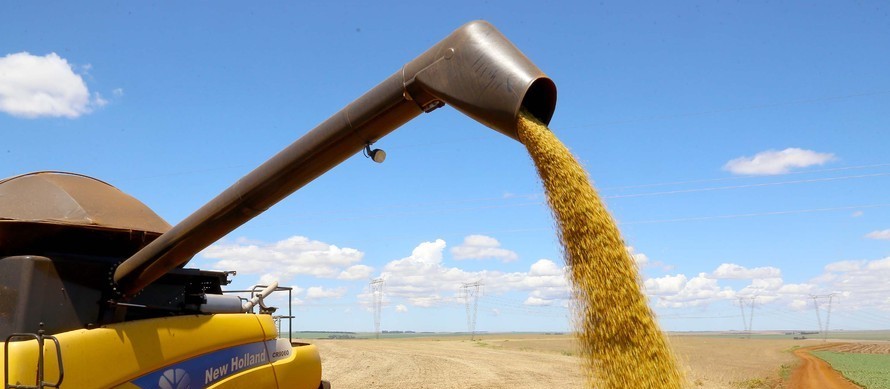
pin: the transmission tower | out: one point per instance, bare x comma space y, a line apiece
468, 290
830, 297
748, 320
377, 295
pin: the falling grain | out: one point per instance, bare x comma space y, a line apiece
621, 344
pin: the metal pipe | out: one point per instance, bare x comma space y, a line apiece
475, 69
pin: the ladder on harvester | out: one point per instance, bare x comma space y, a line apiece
40, 337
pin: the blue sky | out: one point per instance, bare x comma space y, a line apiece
172, 104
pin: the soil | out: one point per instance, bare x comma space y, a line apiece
816, 373
443, 364
538, 361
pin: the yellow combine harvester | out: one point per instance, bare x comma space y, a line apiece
93, 288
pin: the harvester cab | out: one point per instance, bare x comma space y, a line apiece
94, 292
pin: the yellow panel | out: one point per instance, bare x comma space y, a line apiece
302, 370
115, 354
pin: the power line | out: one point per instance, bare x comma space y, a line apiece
726, 110
754, 214
704, 180
764, 184
617, 196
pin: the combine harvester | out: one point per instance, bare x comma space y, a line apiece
93, 288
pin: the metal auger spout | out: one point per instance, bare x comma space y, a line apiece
475, 69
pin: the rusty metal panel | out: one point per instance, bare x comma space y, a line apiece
71, 199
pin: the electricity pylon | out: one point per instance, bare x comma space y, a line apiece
471, 289
377, 296
816, 299
747, 322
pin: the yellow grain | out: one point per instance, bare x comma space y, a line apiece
620, 342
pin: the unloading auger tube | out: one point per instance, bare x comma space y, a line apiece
475, 69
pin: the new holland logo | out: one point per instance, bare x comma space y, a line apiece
175, 379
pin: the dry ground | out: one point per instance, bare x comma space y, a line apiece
816, 373
535, 361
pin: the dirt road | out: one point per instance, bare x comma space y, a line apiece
446, 364
816, 373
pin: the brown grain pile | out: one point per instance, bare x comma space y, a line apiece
620, 342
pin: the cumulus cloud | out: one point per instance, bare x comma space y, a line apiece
773, 162
844, 266
297, 255
482, 247
862, 283
879, 235
678, 291
423, 280
319, 292
356, 272
401, 308
733, 271
33, 86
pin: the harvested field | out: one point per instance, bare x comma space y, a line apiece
860, 348
537, 361
446, 363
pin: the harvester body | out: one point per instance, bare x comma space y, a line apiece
93, 288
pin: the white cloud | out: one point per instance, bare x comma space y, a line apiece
482, 247
773, 162
643, 261
640, 258
844, 266
880, 235
796, 289
537, 301
545, 267
678, 291
764, 288
296, 255
401, 308
319, 292
34, 86
98, 100
799, 304
118, 92
665, 285
423, 280
356, 272
733, 271
862, 284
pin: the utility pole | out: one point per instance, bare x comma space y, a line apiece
471, 289
816, 299
377, 296
747, 322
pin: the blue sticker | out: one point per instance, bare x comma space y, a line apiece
205, 370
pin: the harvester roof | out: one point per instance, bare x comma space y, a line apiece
74, 200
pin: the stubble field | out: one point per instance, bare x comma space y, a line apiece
538, 361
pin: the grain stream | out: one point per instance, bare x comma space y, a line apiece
620, 343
